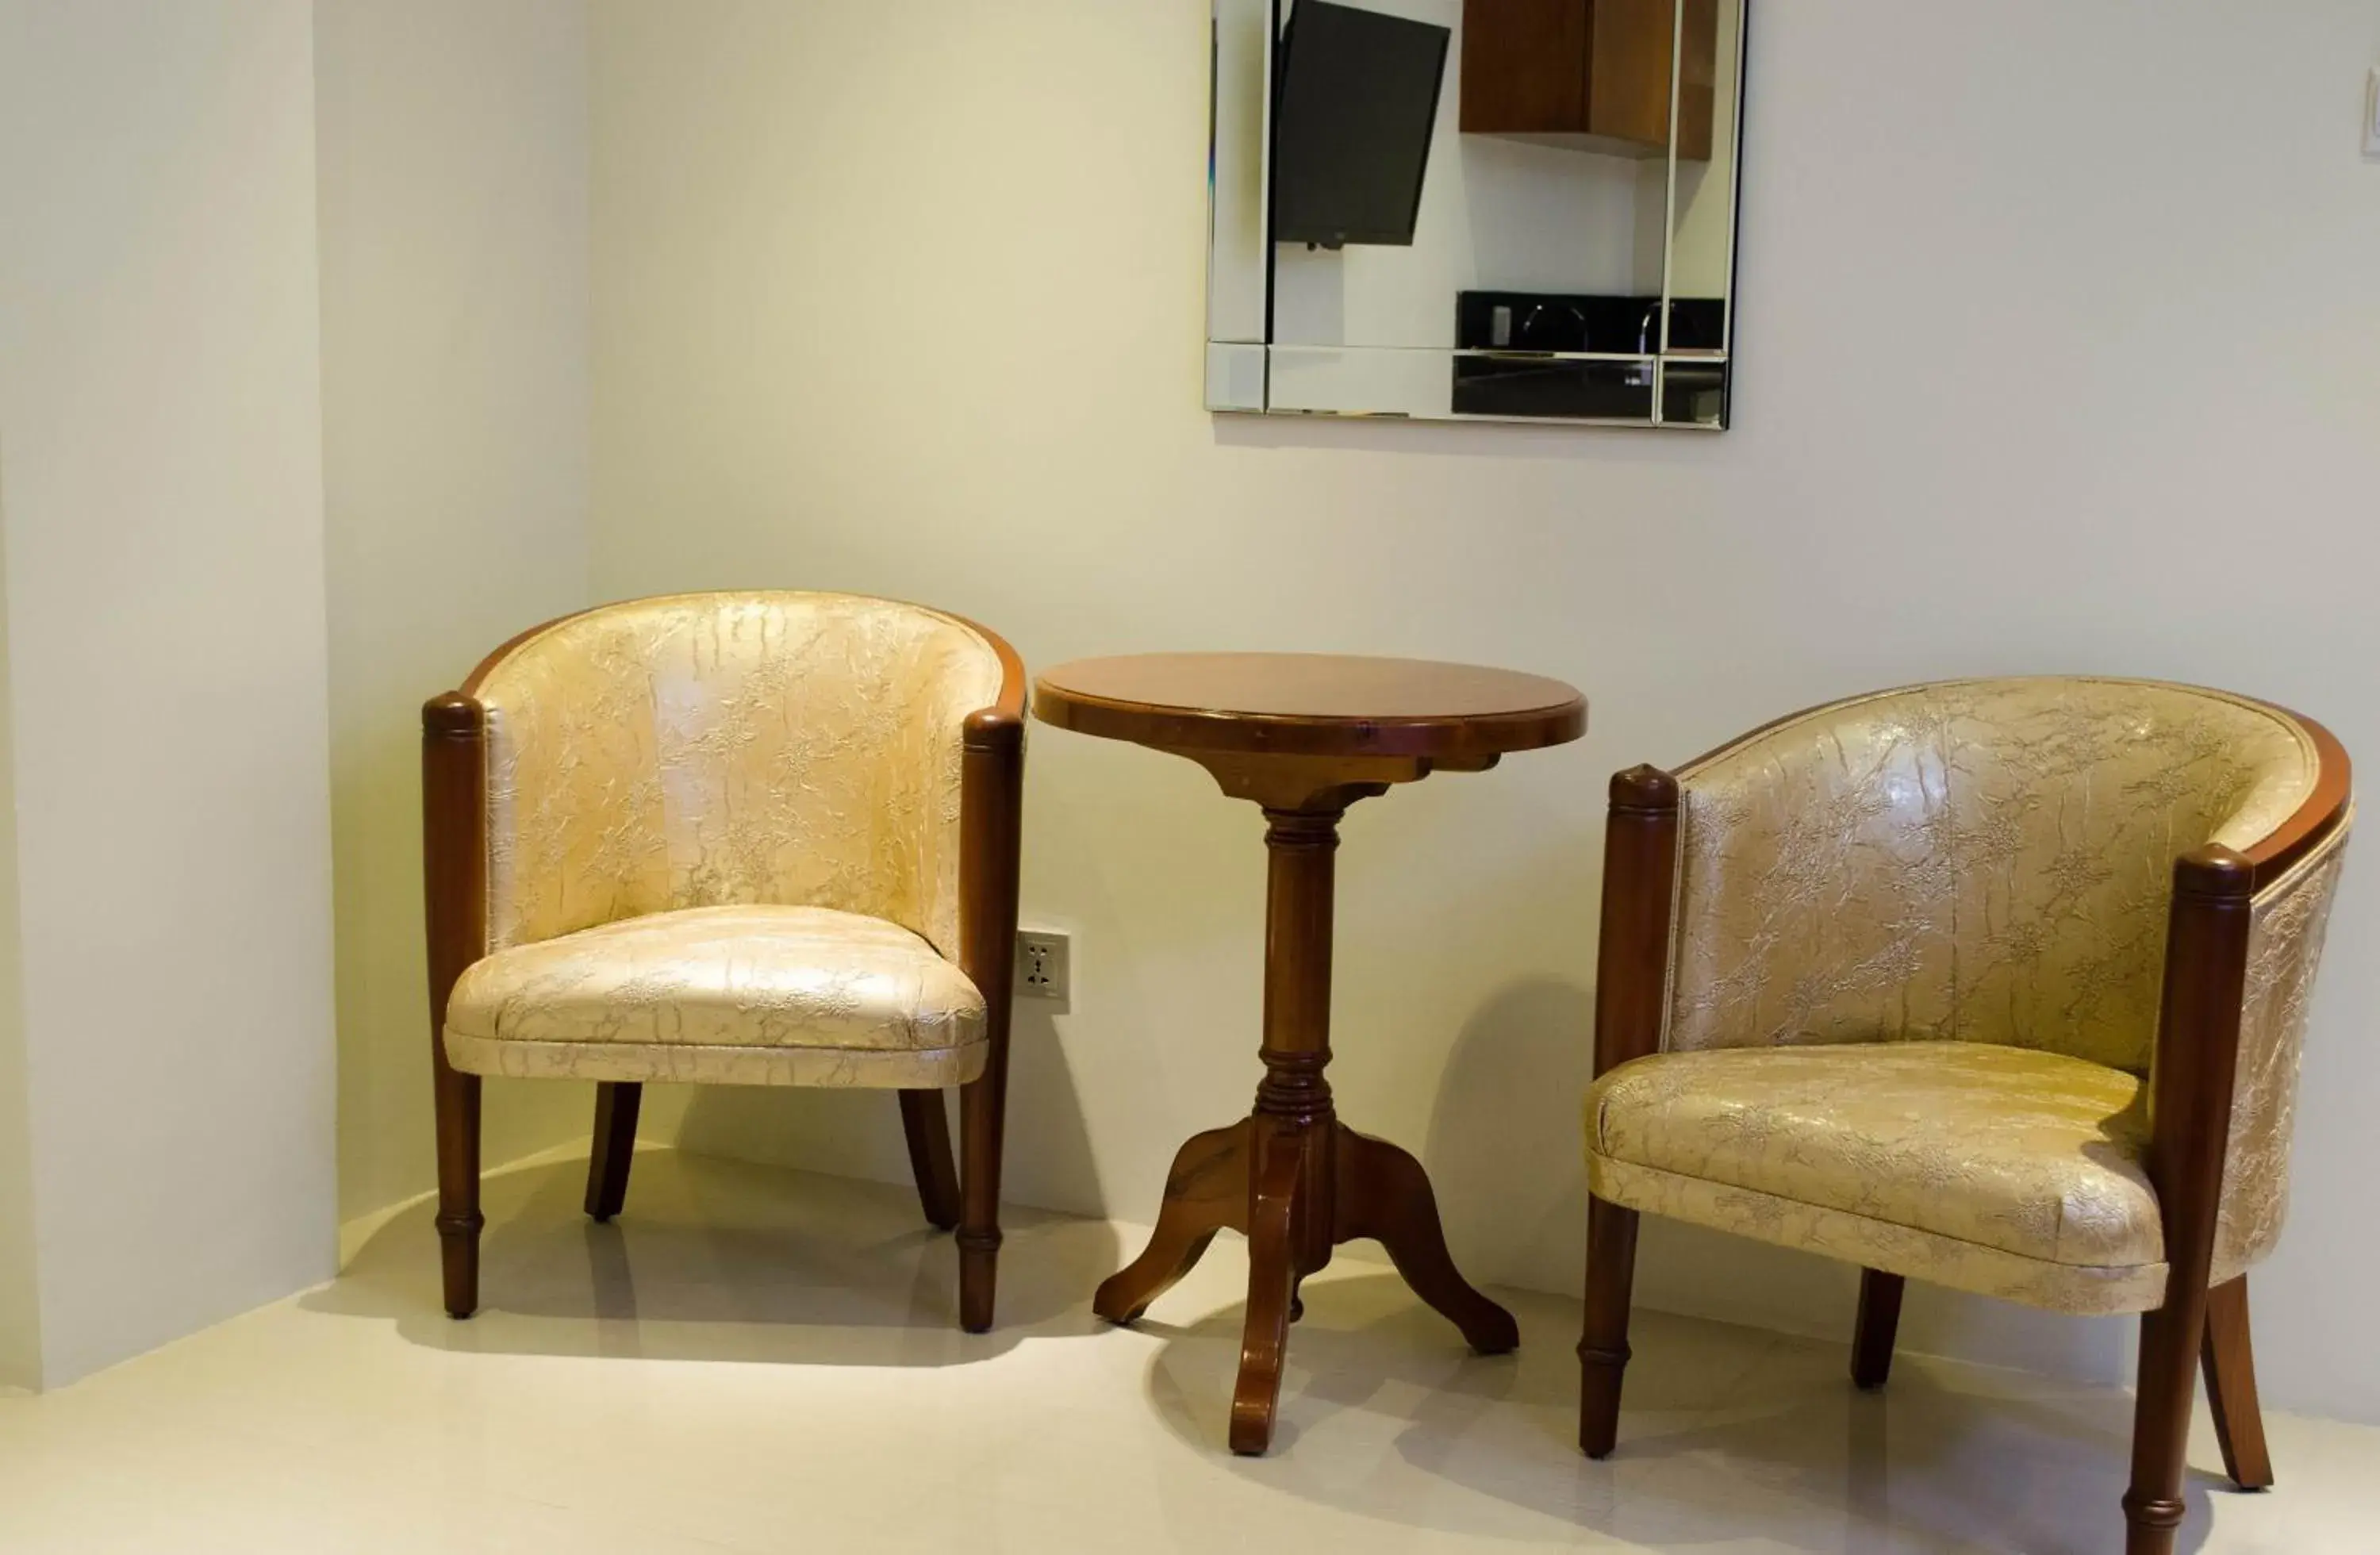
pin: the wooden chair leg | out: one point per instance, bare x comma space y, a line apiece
982, 1106
2230, 1363
1879, 1321
456, 1103
616, 1104
2194, 1077
2169, 1344
927, 1125
1603, 1348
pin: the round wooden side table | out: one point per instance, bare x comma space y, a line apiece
1305, 735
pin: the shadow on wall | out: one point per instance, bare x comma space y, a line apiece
858, 1133
386, 1133
1518, 1072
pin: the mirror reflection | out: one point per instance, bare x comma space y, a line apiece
1496, 209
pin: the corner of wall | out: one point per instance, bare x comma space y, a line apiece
455, 453
20, 1307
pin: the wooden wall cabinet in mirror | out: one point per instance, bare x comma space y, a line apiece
1593, 74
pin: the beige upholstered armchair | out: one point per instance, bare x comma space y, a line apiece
1996, 984
731, 839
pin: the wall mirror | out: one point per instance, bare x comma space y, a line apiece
1498, 210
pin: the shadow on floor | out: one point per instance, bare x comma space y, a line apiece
1733, 1438
721, 1260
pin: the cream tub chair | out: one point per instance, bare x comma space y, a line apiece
731, 838
1996, 984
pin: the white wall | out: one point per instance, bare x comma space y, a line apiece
2044, 365
453, 187
162, 494
20, 1296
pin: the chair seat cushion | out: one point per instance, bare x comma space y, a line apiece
739, 995
1997, 1169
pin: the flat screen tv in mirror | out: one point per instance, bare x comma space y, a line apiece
1357, 105
1476, 210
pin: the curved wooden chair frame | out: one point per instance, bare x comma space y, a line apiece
2196, 1065
454, 842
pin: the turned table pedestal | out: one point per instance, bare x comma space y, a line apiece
1305, 737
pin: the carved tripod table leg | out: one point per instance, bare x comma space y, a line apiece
1272, 1288
1385, 1194
1290, 1177
1205, 1192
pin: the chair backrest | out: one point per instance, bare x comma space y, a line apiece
1984, 860
708, 750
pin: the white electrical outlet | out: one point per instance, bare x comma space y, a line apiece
2372, 113
1042, 964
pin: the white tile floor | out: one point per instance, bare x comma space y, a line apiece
760, 1361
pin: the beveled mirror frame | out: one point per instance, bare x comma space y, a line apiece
1246, 362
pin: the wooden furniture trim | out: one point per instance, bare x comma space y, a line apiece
2230, 1368
614, 1149
455, 880
992, 792
2312, 822
1875, 1327
1448, 737
454, 901
2193, 1080
1635, 954
1290, 1176
1631, 994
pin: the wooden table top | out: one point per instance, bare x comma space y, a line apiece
1309, 704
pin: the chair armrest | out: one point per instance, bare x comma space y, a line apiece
454, 846
1640, 876
992, 792
2197, 1055
2204, 1038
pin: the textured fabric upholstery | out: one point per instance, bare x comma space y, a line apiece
2285, 939
708, 749
723, 845
1916, 962
747, 995
1983, 861
2003, 1170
